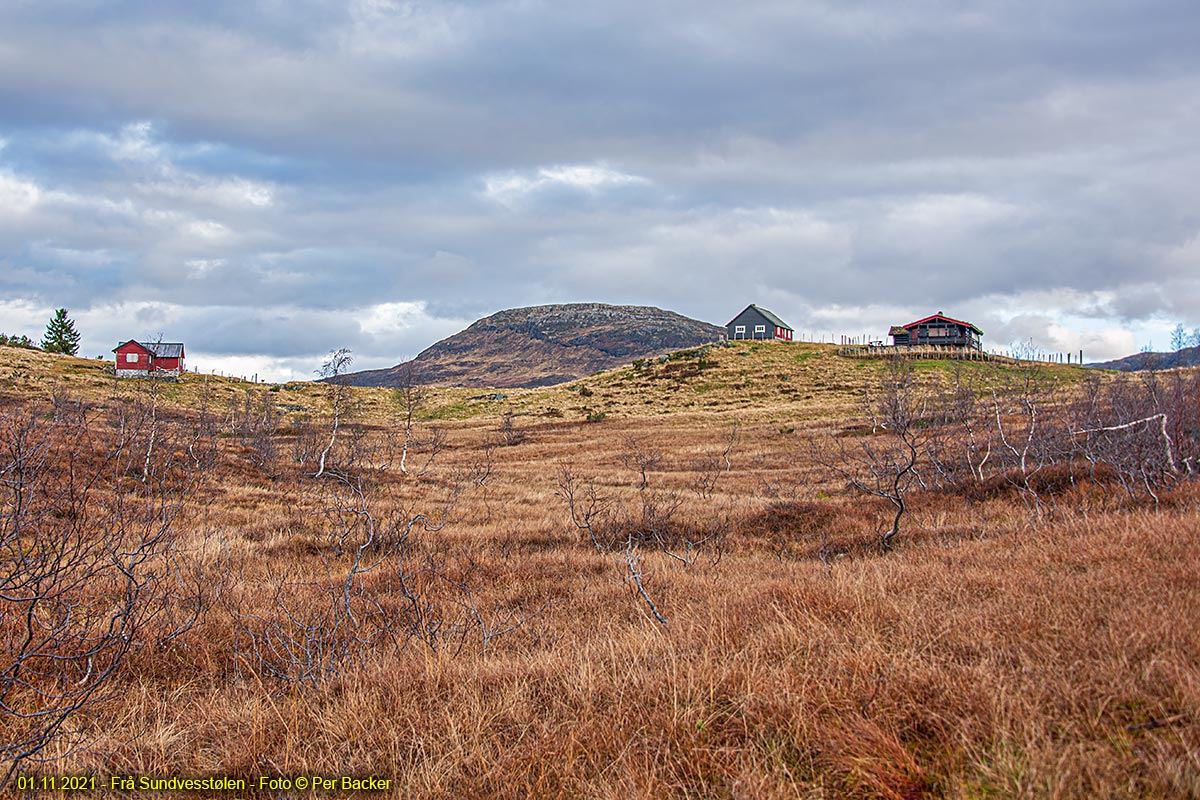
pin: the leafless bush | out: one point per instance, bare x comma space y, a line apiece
651, 516
88, 563
1018, 433
508, 432
339, 399
1024, 424
255, 421
587, 507
202, 442
709, 470
885, 464
1144, 431
306, 439
386, 582
311, 630
442, 610
411, 397
642, 459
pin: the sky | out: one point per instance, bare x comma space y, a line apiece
269, 180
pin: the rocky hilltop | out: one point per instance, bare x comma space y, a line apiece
545, 345
1138, 362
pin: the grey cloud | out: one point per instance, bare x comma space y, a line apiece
245, 159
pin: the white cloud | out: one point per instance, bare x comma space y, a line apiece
23, 317
264, 368
588, 177
208, 231
199, 267
390, 318
231, 193
17, 196
505, 187
135, 143
1059, 335
946, 214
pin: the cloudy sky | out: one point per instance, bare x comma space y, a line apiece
268, 180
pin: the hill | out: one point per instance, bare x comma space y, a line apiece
546, 345
1139, 362
760, 382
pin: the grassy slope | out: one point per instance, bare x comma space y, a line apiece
752, 381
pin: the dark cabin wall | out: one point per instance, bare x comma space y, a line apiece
750, 318
954, 334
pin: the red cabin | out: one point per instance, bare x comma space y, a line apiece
138, 360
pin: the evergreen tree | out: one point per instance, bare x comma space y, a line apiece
61, 336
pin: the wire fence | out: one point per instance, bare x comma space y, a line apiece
956, 353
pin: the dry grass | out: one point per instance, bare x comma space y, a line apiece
987, 656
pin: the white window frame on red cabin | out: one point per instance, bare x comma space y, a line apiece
131, 358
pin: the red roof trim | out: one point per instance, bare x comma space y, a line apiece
942, 317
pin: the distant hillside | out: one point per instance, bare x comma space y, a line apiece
545, 345
1187, 357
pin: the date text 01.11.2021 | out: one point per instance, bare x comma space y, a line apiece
56, 783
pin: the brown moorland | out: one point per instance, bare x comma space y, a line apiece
674, 579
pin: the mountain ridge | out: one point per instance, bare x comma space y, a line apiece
544, 345
1140, 362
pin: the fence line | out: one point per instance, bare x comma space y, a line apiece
932, 351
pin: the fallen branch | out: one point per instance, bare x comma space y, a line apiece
633, 561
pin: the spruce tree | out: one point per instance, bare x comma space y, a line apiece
61, 336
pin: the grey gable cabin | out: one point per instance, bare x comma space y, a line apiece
758, 323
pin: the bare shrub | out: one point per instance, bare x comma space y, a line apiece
89, 567
508, 432
339, 399
884, 464
587, 507
709, 469
384, 582
642, 459
256, 424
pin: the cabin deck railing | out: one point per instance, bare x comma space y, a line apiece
925, 351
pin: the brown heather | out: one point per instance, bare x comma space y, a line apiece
1020, 639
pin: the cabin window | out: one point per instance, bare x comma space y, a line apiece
131, 358
939, 331
760, 328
